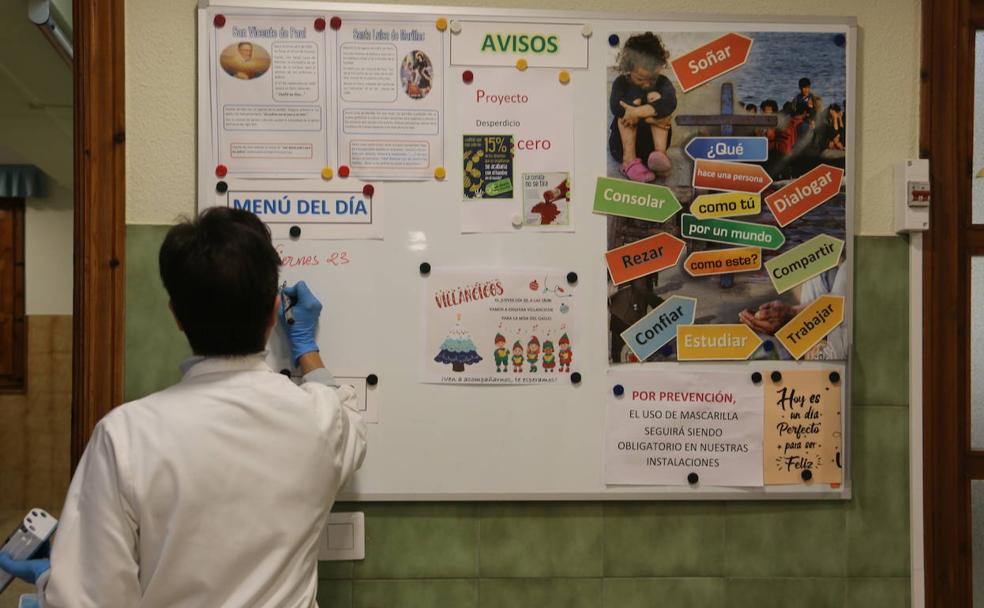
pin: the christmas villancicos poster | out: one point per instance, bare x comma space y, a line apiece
499, 327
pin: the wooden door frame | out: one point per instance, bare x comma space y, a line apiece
100, 223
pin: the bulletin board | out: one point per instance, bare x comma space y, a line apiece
562, 255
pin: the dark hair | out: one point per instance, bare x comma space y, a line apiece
643, 50
220, 270
804, 82
770, 103
240, 45
835, 107
751, 107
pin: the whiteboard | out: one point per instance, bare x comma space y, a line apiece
441, 442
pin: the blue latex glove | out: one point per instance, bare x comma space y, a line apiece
27, 569
306, 309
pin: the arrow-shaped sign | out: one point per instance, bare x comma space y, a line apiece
803, 262
721, 175
812, 324
726, 204
731, 232
716, 342
744, 149
631, 199
722, 261
643, 257
652, 332
711, 60
805, 193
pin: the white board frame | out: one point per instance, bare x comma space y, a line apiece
594, 375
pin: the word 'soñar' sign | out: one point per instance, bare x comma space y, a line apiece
743, 149
711, 60
658, 328
716, 342
812, 324
803, 262
721, 261
632, 199
805, 193
646, 256
735, 177
731, 232
726, 204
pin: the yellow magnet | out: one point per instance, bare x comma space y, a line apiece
440, 173
442, 23
327, 173
564, 76
521, 64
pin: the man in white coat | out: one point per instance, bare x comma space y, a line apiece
211, 493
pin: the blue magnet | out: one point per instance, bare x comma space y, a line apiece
618, 389
767, 346
613, 40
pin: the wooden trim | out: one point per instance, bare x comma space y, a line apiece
947, 98
13, 322
97, 381
975, 240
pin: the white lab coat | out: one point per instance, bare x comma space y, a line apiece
211, 493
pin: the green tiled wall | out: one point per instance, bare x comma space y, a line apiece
830, 554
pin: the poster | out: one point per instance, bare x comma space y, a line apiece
499, 326
269, 89
803, 428
747, 130
517, 151
665, 426
390, 98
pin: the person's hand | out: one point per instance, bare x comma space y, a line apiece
306, 308
769, 317
26, 569
653, 96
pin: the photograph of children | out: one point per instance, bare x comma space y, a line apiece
792, 90
416, 75
245, 60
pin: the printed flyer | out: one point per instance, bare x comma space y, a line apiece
664, 427
499, 327
269, 91
390, 99
747, 131
517, 140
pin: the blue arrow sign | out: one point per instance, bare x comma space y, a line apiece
651, 332
748, 149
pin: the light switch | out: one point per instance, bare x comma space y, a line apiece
344, 537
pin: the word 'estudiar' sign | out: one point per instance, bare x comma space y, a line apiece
546, 45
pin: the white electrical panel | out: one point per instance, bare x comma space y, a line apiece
912, 196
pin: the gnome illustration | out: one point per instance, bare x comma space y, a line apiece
533, 352
501, 354
566, 354
517, 356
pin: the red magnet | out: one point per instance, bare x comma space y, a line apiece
368, 190
343, 171
336, 22
221, 170
319, 24
467, 76
219, 20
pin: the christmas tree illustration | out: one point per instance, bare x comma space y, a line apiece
458, 350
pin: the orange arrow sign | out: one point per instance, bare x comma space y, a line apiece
805, 193
812, 324
716, 342
720, 261
722, 175
643, 257
711, 60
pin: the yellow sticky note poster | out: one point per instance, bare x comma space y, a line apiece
803, 427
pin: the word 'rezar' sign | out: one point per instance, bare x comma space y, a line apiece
711, 60
646, 256
805, 193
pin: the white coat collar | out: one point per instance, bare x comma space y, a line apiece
199, 366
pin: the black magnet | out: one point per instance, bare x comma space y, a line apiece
372, 379
807, 474
835, 377
693, 478
618, 389
572, 277
768, 346
576, 378
295, 231
776, 377
221, 187
756, 377
425, 268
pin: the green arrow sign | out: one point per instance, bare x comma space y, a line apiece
731, 232
819, 254
633, 199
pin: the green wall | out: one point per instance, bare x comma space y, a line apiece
669, 554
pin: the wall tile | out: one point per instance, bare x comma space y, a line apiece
540, 593
881, 321
419, 540
335, 594
541, 539
328, 571
878, 592
664, 539
415, 594
789, 538
664, 592
878, 515
785, 592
